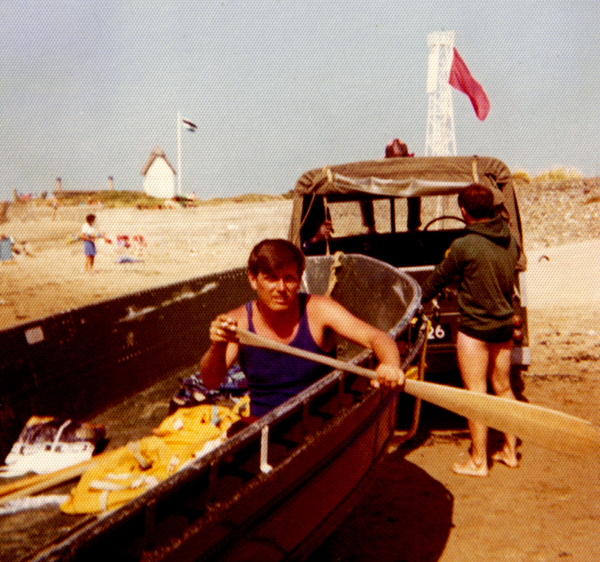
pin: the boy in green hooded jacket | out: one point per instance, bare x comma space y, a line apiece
484, 261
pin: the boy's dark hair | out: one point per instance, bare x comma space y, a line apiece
271, 255
477, 200
90, 218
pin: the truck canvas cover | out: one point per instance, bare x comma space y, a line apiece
407, 178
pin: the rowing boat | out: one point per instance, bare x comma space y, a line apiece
272, 491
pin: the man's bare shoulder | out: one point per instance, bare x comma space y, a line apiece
319, 300
322, 306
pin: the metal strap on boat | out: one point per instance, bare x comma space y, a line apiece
417, 372
149, 525
265, 467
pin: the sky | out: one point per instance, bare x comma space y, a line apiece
276, 88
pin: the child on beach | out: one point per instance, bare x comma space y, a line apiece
89, 235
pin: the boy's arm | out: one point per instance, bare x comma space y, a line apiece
443, 274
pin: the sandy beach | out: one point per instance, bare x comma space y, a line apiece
417, 509
48, 277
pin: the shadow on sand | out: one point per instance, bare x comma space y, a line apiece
406, 516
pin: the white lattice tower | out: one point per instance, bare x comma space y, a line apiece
439, 138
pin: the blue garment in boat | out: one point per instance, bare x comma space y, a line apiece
274, 377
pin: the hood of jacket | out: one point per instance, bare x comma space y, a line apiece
495, 229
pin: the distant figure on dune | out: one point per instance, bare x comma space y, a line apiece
54, 206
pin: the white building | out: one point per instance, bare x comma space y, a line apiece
159, 176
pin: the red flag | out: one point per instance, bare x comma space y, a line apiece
461, 79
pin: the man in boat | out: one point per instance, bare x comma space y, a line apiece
281, 313
484, 261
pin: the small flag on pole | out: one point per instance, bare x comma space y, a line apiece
461, 79
189, 125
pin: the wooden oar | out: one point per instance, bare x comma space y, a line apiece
41, 482
546, 427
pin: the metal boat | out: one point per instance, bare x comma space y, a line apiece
272, 491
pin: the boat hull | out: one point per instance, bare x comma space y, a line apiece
274, 490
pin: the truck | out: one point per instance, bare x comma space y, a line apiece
404, 211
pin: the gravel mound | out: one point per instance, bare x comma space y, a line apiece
555, 213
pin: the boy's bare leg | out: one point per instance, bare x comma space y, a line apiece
500, 379
473, 357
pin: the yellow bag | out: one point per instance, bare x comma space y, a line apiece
117, 477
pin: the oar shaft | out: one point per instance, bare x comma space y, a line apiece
42, 482
254, 340
549, 428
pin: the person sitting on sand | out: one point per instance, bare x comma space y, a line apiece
484, 261
281, 313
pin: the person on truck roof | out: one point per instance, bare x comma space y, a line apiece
281, 313
484, 261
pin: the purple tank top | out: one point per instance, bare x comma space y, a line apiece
274, 377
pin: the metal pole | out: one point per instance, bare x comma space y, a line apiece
178, 153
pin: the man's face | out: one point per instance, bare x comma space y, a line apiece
279, 290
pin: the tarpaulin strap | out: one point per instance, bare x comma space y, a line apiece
474, 170
109, 486
134, 448
335, 265
215, 419
312, 200
104, 500
328, 174
106, 486
327, 215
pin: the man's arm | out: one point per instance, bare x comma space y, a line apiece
324, 232
223, 350
332, 315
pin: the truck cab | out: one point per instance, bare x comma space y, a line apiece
404, 211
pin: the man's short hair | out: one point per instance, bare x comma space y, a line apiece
477, 200
90, 218
272, 255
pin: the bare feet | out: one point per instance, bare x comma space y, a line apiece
470, 468
508, 459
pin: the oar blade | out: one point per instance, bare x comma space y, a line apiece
548, 428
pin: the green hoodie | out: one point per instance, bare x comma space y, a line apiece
484, 261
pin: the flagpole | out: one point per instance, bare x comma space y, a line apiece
178, 153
